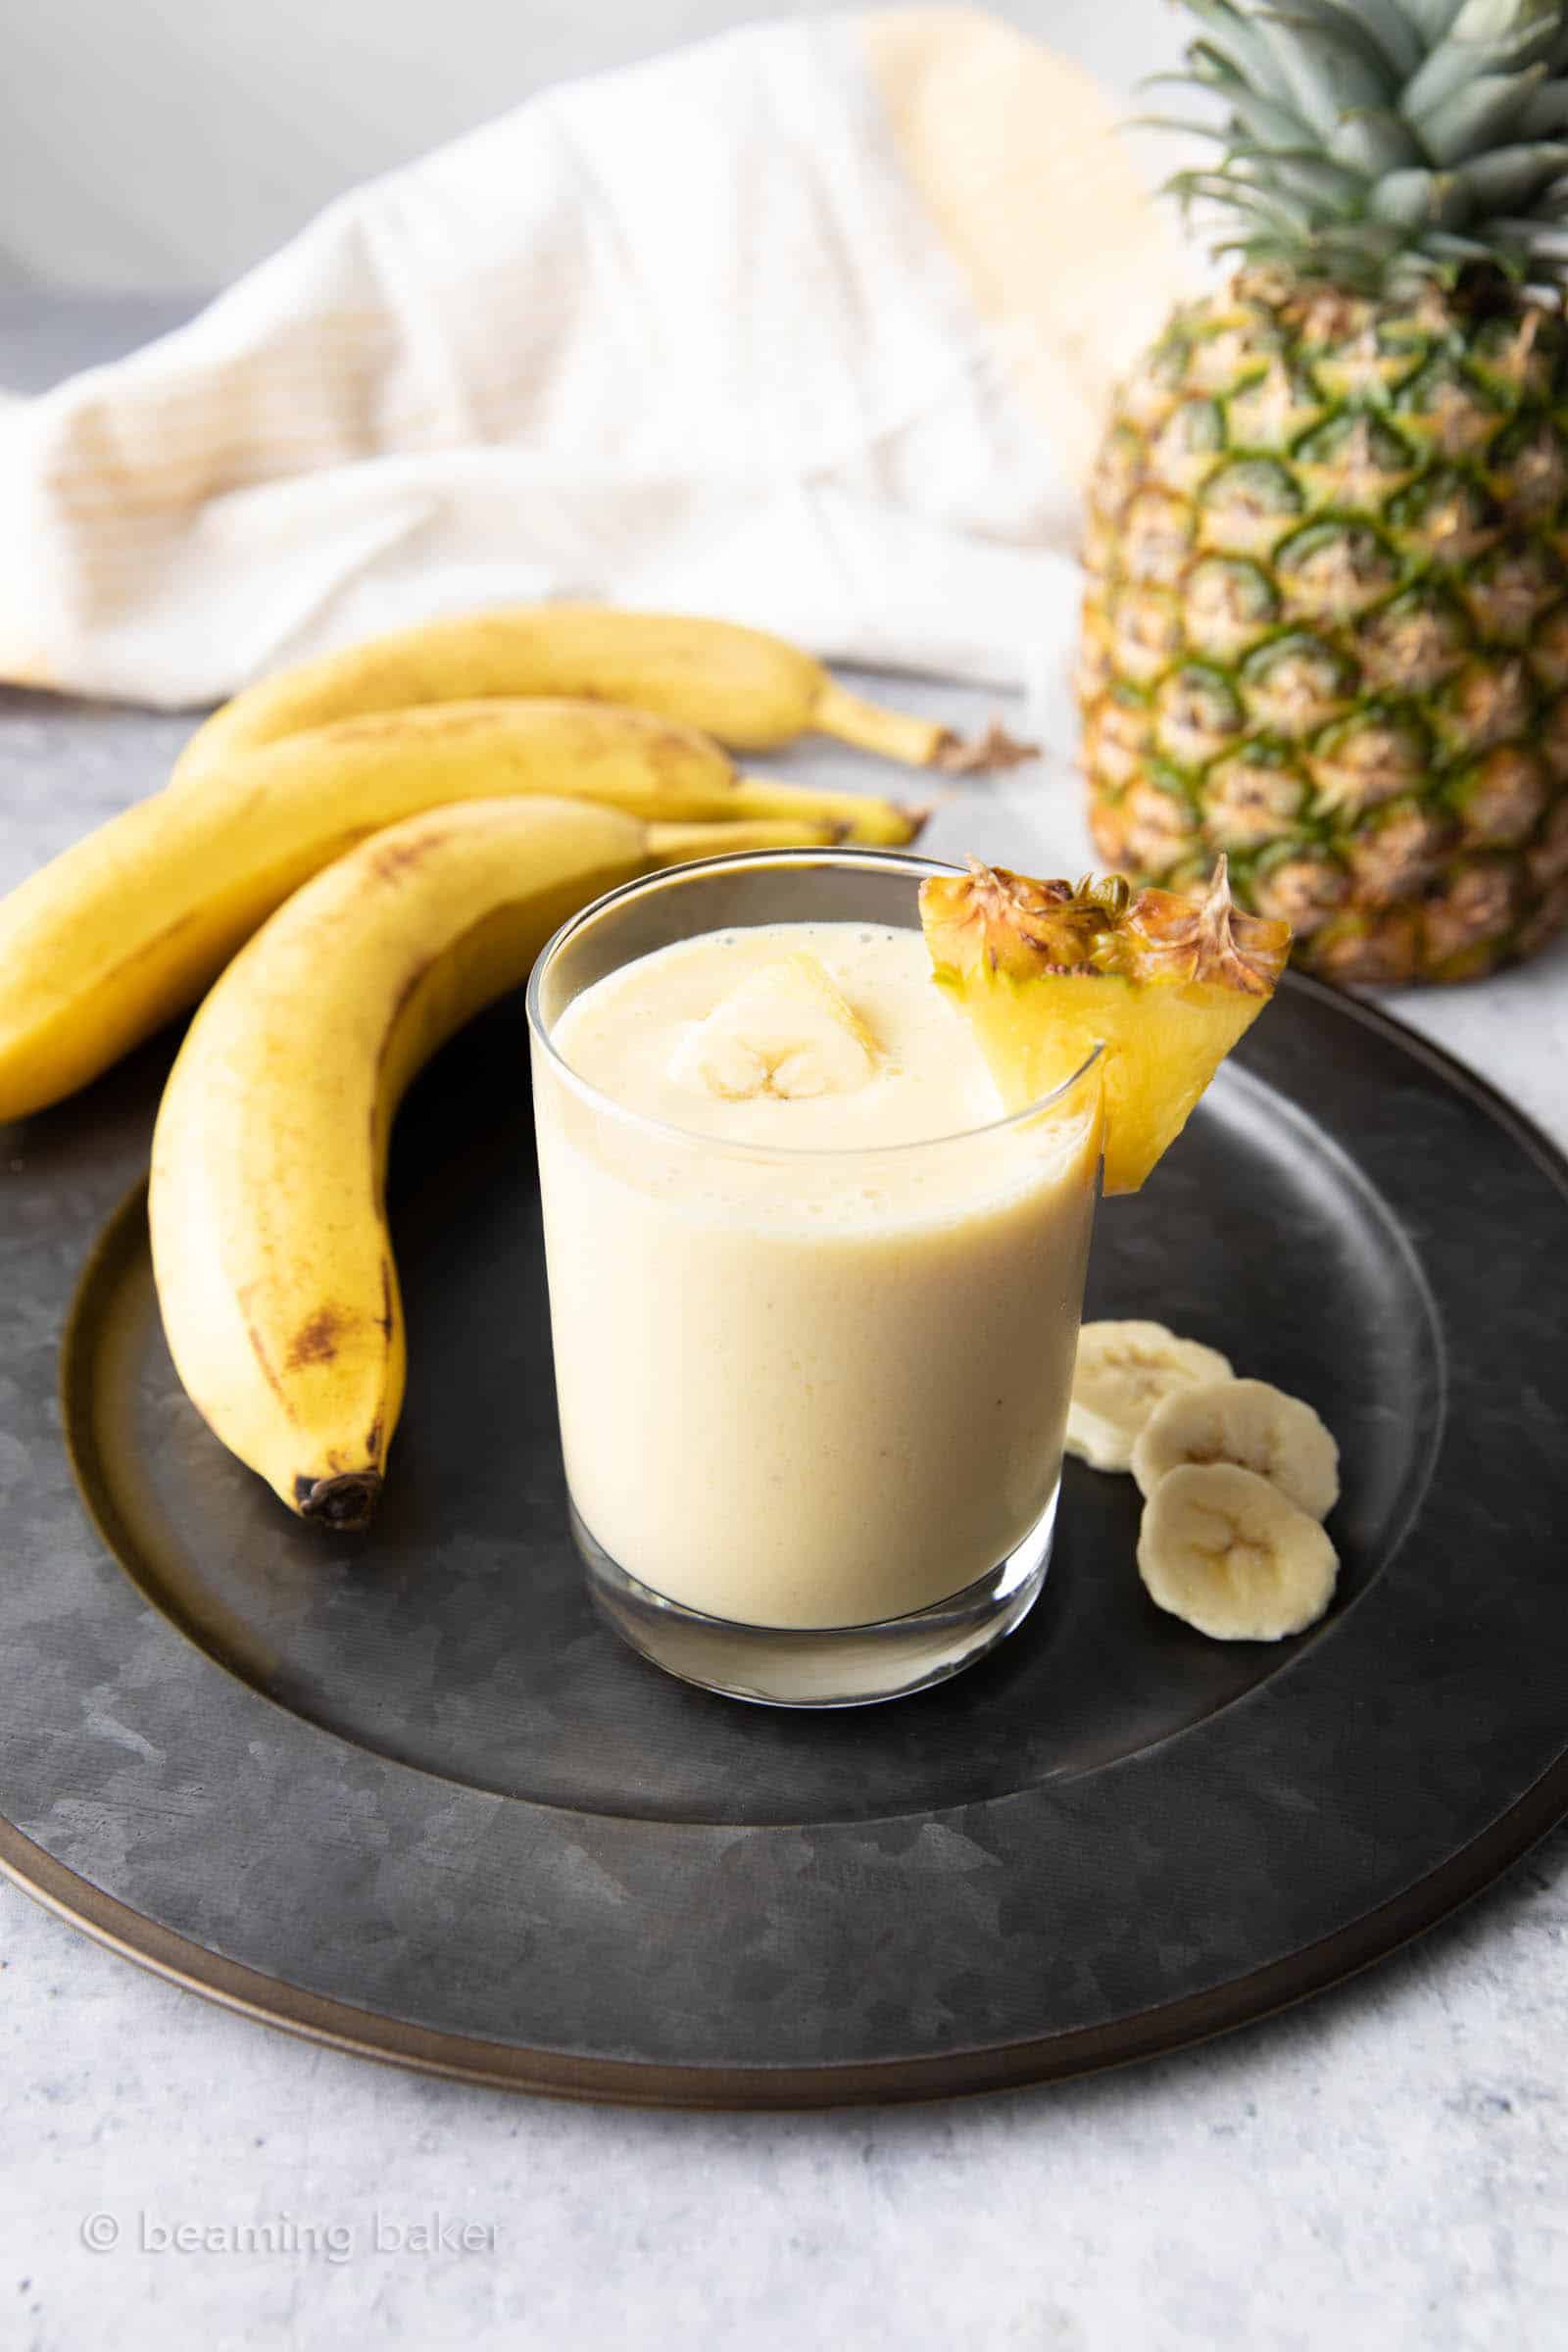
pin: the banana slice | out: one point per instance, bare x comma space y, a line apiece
1225, 1551
784, 1031
1124, 1370
1250, 1424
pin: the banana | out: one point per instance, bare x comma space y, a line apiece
786, 1031
274, 1270
1123, 1371
130, 926
1226, 1553
1249, 1423
689, 845
678, 844
752, 691
869, 823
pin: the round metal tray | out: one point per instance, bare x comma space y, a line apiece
406, 1793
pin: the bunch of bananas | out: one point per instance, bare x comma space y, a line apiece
401, 827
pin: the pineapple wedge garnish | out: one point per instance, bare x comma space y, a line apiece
1045, 971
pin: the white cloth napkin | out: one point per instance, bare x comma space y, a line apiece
807, 326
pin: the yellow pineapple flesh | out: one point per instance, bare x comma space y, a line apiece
1047, 972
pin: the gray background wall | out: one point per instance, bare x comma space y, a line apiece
168, 145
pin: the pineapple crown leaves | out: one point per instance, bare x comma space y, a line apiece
993, 920
1373, 143
1170, 938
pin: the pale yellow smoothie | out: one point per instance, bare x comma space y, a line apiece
813, 1361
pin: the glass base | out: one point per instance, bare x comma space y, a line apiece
829, 1666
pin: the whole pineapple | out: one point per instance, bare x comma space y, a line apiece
1326, 629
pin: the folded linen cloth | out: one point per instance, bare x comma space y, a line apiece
809, 326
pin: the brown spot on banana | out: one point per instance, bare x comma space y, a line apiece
416, 975
243, 1298
315, 1340
398, 856
391, 726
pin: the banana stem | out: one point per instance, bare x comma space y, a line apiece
860, 818
678, 845
891, 734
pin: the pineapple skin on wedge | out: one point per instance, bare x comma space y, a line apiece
1045, 971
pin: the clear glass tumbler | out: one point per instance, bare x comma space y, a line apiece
811, 1402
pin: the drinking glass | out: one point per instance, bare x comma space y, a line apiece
812, 1400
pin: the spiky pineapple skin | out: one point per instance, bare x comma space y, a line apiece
1326, 621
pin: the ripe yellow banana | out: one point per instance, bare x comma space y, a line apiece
752, 691
680, 844
128, 926
274, 1270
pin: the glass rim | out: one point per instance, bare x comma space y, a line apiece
671, 876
